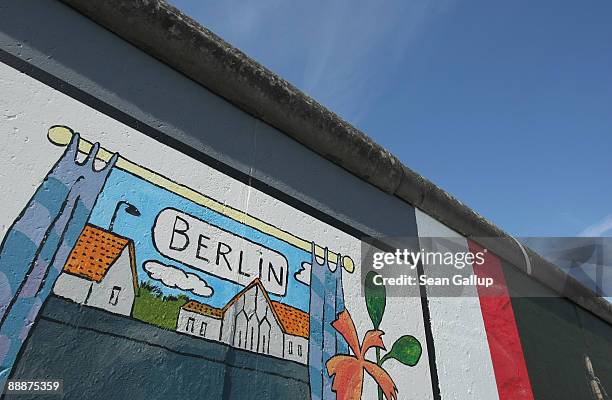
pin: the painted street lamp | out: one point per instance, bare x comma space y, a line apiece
129, 208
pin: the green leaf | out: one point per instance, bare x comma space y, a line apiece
376, 299
406, 349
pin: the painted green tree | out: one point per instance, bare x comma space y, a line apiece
406, 349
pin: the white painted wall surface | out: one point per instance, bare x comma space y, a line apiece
119, 274
295, 354
465, 369
213, 325
72, 287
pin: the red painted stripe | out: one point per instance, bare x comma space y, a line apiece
502, 334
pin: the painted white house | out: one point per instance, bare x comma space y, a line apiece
100, 272
250, 321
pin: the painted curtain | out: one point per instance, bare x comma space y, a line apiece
326, 302
38, 243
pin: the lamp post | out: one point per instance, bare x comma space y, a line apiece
129, 208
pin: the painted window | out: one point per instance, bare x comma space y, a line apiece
264, 337
299, 350
203, 329
190, 324
114, 296
290, 347
240, 330
253, 333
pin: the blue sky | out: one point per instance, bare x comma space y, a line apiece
506, 105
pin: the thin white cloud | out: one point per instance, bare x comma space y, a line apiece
177, 278
303, 275
351, 64
598, 228
346, 54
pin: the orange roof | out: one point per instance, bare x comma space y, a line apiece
296, 322
94, 253
203, 309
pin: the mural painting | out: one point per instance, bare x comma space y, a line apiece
104, 232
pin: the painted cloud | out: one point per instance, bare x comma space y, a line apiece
177, 278
303, 275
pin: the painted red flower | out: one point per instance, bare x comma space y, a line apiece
347, 370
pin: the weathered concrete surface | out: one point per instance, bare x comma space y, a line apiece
177, 40
106, 356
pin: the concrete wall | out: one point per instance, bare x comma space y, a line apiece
254, 199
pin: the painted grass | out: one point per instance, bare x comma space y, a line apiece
156, 309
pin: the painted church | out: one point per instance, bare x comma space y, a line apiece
250, 321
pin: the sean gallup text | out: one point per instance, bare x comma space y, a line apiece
424, 280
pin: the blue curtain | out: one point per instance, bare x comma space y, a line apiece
38, 243
326, 302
